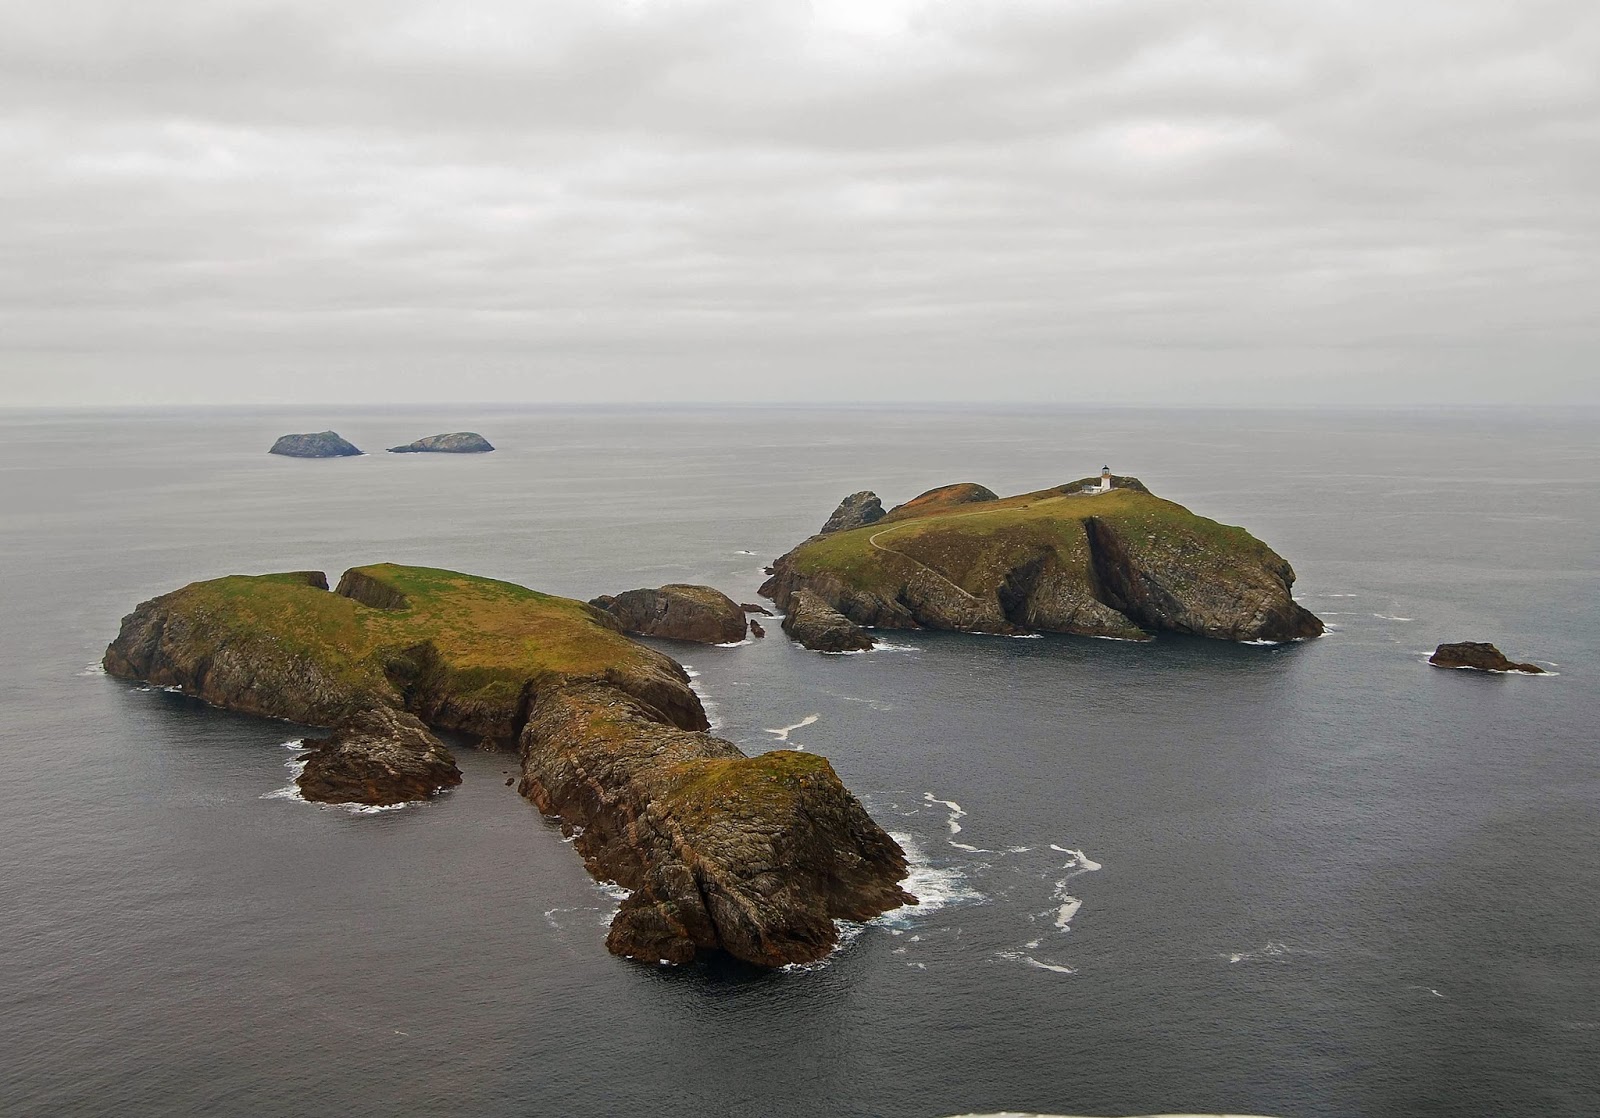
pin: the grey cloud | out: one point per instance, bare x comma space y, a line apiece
1143, 200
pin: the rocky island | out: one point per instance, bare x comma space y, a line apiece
753, 856
456, 442
1479, 656
677, 611
320, 444
1099, 557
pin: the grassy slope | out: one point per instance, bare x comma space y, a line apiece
974, 545
491, 635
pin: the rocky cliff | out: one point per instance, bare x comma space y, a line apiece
754, 856
677, 611
820, 627
1121, 564
321, 444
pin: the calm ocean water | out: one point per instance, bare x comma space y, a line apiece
1321, 879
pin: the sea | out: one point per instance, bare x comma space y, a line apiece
1311, 879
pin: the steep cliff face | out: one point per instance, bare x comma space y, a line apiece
820, 627
855, 511
754, 856
677, 611
1120, 564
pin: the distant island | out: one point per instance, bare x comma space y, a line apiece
320, 444
1098, 557
456, 442
756, 857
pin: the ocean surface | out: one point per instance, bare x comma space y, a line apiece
1312, 879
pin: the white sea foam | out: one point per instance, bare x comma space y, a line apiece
1272, 950
737, 644
1069, 908
783, 734
955, 811
1261, 641
96, 668
1026, 636
1079, 861
885, 646
744, 553
1392, 617
935, 887
1029, 960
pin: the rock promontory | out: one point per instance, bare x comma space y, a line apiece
855, 511
817, 625
1480, 656
319, 444
677, 611
752, 856
1070, 559
455, 442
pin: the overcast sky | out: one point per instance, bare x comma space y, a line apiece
1212, 201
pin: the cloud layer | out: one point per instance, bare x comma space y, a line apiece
1331, 200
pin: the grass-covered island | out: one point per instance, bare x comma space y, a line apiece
754, 856
1075, 558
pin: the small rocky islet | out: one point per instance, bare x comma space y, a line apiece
755, 857
1099, 557
454, 442
677, 611
1479, 656
317, 444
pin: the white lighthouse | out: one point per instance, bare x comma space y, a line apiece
1105, 479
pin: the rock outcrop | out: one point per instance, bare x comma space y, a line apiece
855, 511
756, 630
753, 856
751, 607
1123, 564
320, 444
1479, 656
456, 442
817, 625
378, 756
677, 611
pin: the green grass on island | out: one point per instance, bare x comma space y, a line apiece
976, 544
489, 636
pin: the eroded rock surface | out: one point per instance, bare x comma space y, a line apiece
820, 627
1480, 656
377, 756
677, 611
754, 856
855, 511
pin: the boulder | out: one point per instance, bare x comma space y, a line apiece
820, 627
1479, 656
756, 630
321, 444
677, 611
456, 442
377, 756
751, 607
855, 511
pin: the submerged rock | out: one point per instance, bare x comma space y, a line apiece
321, 444
456, 442
820, 627
854, 511
1479, 656
677, 611
378, 756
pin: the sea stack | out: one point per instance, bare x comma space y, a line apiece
1479, 656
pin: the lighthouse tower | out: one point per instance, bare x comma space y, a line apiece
1105, 479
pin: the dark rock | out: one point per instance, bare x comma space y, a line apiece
456, 442
1479, 656
377, 756
855, 511
510, 780
750, 607
753, 856
820, 627
756, 630
678, 612
322, 444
